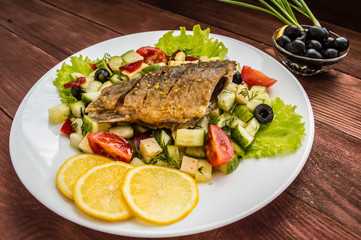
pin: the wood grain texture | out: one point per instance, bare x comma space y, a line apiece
324, 202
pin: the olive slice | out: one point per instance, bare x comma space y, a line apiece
263, 113
102, 75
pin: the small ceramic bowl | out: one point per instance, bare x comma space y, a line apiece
303, 65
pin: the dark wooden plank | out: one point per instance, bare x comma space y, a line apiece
330, 181
53, 30
242, 21
22, 65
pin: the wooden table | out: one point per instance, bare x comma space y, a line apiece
324, 202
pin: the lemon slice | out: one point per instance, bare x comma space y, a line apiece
280, 32
75, 166
98, 191
159, 195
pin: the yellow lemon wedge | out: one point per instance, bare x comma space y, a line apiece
280, 32
75, 166
158, 194
98, 191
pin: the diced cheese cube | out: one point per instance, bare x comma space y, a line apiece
189, 165
149, 148
84, 145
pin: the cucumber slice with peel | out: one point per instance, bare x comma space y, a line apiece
190, 137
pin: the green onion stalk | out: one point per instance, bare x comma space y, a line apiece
284, 12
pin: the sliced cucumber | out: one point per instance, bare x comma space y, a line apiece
253, 103
124, 131
136, 162
204, 171
75, 140
190, 137
197, 152
252, 126
232, 86
77, 125
203, 123
131, 56
77, 108
88, 97
162, 137
226, 99
150, 68
103, 64
76, 75
118, 77
104, 85
230, 166
241, 136
93, 86
265, 97
115, 62
91, 126
174, 155
242, 113
236, 121
59, 113
223, 120
238, 150
258, 89
140, 128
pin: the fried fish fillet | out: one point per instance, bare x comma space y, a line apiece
166, 98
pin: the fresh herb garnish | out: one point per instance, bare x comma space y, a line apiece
285, 13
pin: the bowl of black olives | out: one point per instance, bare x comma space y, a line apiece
309, 50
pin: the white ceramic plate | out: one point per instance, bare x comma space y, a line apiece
38, 150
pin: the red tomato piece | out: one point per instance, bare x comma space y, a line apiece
76, 83
131, 67
189, 58
110, 145
152, 55
254, 77
93, 66
219, 148
67, 129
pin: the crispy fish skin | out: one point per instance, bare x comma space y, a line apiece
177, 98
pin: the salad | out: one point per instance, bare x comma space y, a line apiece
247, 122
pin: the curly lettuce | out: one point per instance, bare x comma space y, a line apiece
281, 136
197, 45
77, 64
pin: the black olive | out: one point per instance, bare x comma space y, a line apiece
330, 53
328, 43
263, 113
297, 47
317, 33
313, 53
341, 43
292, 31
314, 44
237, 78
283, 40
302, 37
102, 75
76, 92
327, 32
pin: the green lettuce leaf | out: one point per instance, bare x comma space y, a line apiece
77, 64
281, 136
197, 45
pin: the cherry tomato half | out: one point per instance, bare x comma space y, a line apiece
152, 55
131, 67
110, 145
254, 77
219, 148
76, 83
93, 66
67, 129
